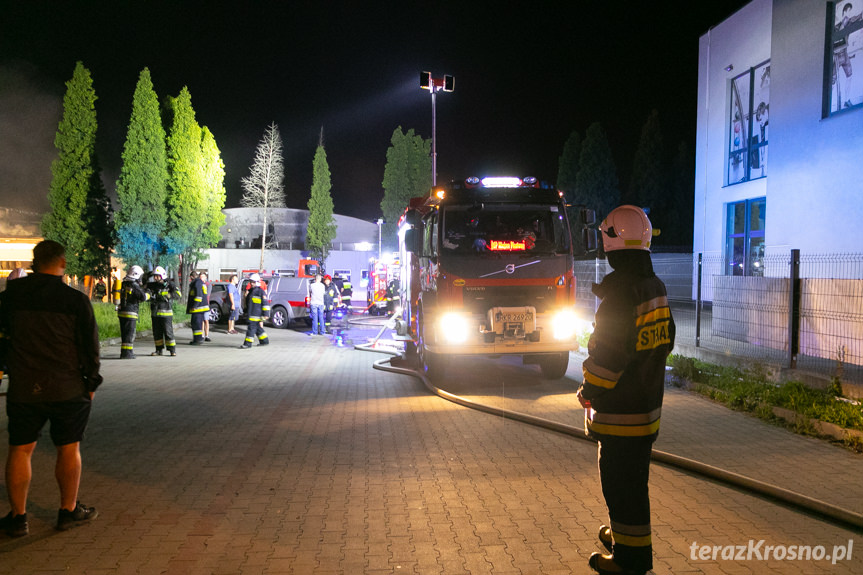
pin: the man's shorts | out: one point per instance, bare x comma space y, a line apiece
68, 420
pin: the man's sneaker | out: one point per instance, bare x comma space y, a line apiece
207, 339
69, 519
15, 526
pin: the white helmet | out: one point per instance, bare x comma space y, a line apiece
255, 278
135, 272
626, 228
159, 271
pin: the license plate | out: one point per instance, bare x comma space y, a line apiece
522, 317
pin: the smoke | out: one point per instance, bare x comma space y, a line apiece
30, 112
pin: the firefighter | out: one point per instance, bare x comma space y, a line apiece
332, 298
393, 297
198, 306
624, 377
162, 292
347, 292
131, 294
258, 310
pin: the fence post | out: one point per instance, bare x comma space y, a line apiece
794, 310
698, 303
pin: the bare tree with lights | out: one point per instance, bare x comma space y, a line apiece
263, 186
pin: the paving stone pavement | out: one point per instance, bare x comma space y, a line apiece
300, 458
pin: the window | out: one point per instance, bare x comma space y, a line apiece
842, 90
226, 273
748, 115
744, 246
344, 274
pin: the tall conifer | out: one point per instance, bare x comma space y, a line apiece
80, 212
141, 188
321, 230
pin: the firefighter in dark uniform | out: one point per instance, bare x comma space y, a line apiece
624, 377
258, 310
332, 298
162, 292
131, 294
393, 297
198, 306
347, 293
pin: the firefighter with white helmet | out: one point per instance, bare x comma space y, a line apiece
163, 291
624, 378
132, 293
258, 308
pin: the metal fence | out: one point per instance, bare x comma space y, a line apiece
805, 311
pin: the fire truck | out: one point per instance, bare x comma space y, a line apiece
381, 272
487, 269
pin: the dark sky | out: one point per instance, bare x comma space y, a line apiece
527, 74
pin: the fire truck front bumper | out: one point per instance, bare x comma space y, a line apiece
505, 330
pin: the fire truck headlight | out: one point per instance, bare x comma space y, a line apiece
453, 328
565, 325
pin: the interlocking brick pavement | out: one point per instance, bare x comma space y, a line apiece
300, 458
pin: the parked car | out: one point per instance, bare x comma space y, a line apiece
220, 305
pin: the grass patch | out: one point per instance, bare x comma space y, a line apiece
109, 325
750, 390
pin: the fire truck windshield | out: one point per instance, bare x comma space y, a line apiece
490, 228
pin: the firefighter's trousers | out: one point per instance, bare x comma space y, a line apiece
127, 336
163, 332
255, 330
198, 326
624, 466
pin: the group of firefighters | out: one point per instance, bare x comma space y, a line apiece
160, 291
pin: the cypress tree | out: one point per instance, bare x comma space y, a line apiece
321, 230
141, 187
77, 196
596, 183
186, 206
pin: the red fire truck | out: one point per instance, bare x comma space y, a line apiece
487, 269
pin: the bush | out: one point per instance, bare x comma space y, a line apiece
749, 390
109, 326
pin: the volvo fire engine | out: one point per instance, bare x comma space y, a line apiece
487, 269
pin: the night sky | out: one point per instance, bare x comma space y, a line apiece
526, 75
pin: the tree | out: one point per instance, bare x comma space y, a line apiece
214, 189
596, 184
263, 186
142, 185
567, 165
648, 186
675, 220
188, 204
80, 211
407, 175
321, 230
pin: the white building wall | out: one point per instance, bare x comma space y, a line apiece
742, 41
814, 187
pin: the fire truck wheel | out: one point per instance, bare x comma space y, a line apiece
432, 364
554, 366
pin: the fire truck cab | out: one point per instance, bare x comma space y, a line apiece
490, 271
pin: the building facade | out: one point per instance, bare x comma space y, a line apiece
778, 75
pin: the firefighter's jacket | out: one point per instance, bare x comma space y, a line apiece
393, 291
257, 306
199, 301
331, 297
132, 293
624, 375
162, 293
347, 292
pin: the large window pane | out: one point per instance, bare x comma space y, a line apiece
749, 113
744, 247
